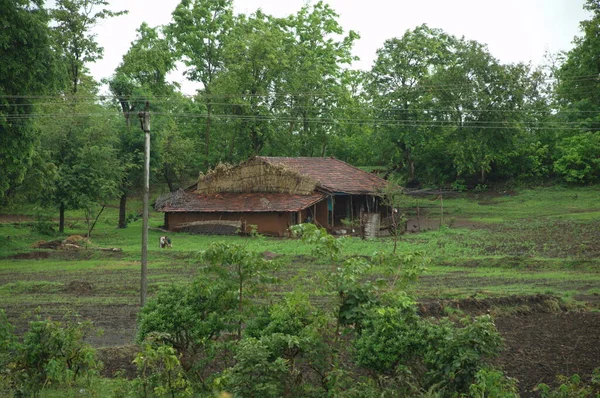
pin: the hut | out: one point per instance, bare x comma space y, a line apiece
269, 194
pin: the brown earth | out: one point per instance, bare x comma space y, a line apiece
539, 346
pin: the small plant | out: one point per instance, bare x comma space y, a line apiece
257, 372
481, 188
459, 185
159, 371
493, 383
571, 387
43, 225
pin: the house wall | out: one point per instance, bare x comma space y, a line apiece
321, 216
267, 223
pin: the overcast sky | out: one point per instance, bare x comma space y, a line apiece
514, 30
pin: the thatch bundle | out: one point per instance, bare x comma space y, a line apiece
255, 175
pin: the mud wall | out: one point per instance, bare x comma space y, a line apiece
275, 224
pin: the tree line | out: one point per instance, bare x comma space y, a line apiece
434, 109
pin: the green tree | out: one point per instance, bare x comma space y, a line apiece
141, 77
29, 70
198, 32
400, 88
317, 56
73, 21
254, 67
78, 141
578, 100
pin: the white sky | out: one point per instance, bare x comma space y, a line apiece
514, 30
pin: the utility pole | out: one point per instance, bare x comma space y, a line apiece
145, 124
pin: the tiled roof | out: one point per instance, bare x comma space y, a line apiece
237, 202
333, 174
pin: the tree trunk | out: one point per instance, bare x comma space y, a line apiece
61, 218
96, 220
167, 177
123, 211
207, 135
482, 178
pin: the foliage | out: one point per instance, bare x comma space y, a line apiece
188, 317
257, 371
159, 370
29, 68
571, 387
73, 20
49, 353
323, 243
576, 161
245, 271
395, 341
493, 384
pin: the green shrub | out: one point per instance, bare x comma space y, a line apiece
398, 345
257, 372
457, 353
572, 387
43, 225
159, 371
391, 337
54, 353
492, 383
189, 317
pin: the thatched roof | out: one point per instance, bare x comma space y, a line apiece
255, 175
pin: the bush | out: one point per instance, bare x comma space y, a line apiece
189, 317
400, 346
51, 352
492, 383
257, 372
572, 387
458, 353
159, 370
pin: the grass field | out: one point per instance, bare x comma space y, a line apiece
544, 240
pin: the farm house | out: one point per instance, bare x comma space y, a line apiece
269, 194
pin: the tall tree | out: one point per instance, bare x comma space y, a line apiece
318, 54
78, 141
400, 87
199, 31
73, 21
578, 97
254, 63
29, 70
141, 77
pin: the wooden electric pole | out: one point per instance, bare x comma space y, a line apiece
145, 124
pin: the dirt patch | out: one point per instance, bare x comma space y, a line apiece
53, 244
79, 288
270, 255
30, 256
15, 218
593, 299
118, 360
522, 304
539, 346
